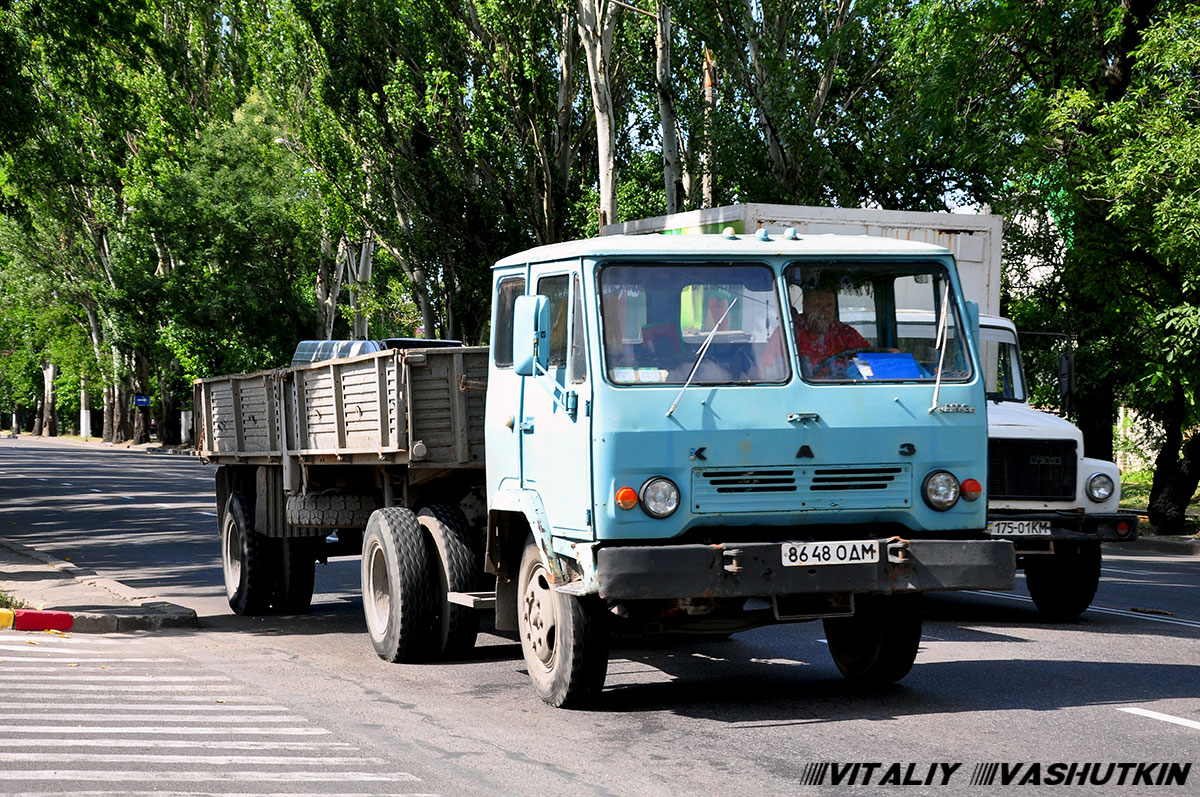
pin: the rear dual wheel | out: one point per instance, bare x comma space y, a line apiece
410, 563
261, 573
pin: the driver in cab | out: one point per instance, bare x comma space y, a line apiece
821, 337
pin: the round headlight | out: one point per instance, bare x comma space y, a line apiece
940, 490
1100, 487
660, 497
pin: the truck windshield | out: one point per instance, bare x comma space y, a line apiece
846, 323
1002, 365
656, 317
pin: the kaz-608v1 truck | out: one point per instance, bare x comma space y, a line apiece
1054, 503
652, 442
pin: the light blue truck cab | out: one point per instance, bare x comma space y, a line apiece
681, 436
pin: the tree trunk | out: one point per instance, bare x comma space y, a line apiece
49, 411
36, 431
141, 387
107, 427
597, 25
672, 178
1175, 476
708, 158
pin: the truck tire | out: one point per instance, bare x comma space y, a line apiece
563, 637
338, 511
456, 567
398, 590
878, 644
248, 559
1063, 584
298, 563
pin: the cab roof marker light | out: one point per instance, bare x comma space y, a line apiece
791, 234
763, 235
729, 233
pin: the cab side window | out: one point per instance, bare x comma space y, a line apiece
555, 289
506, 297
578, 336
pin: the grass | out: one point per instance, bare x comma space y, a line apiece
1135, 494
9, 602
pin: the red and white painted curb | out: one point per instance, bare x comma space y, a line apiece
36, 620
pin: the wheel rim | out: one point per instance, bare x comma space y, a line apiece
377, 597
539, 616
231, 556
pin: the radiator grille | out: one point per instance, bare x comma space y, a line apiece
720, 490
1031, 470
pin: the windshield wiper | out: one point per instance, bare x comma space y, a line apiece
700, 355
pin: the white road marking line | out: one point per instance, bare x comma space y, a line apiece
82, 660
94, 490
129, 498
1154, 715
192, 793
116, 716
1127, 572
100, 775
217, 760
173, 730
123, 678
210, 514
43, 480
147, 707
66, 484
187, 744
207, 688
1100, 610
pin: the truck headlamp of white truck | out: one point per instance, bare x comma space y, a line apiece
1100, 487
940, 490
660, 497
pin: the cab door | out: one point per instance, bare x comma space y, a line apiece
556, 408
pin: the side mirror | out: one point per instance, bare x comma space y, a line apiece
1066, 376
531, 334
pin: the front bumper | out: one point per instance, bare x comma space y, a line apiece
1072, 526
756, 569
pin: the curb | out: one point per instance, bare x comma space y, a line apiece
1156, 545
147, 616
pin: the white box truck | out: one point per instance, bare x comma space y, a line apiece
1056, 505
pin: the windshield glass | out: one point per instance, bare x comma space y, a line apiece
846, 329
656, 317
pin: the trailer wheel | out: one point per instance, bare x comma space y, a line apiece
398, 595
298, 562
246, 559
1063, 584
878, 644
456, 567
562, 636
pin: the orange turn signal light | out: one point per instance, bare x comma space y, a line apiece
971, 489
627, 498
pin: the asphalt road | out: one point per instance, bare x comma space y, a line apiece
993, 683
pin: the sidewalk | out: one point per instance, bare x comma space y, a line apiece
64, 597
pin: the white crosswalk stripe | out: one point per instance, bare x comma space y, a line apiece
96, 711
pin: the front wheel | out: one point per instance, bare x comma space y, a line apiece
1064, 583
878, 644
562, 636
